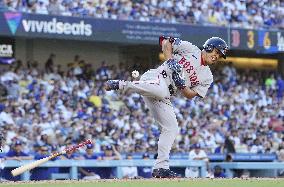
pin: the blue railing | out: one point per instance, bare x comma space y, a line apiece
259, 168
237, 157
117, 164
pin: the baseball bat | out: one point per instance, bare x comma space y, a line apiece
37, 163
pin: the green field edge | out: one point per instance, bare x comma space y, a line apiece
258, 182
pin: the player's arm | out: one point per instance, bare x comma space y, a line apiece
180, 84
167, 49
178, 46
188, 93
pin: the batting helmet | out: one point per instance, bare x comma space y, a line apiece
218, 43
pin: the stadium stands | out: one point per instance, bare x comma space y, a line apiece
245, 14
242, 113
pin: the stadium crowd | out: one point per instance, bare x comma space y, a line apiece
238, 13
48, 109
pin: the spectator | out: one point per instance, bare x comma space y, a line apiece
15, 153
129, 172
238, 13
281, 159
41, 173
218, 172
89, 173
54, 7
103, 72
280, 88
229, 145
6, 117
196, 154
68, 156
49, 65
229, 173
145, 172
110, 153
257, 147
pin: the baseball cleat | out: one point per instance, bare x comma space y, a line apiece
164, 173
112, 85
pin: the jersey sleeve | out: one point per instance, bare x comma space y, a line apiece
183, 47
201, 89
205, 82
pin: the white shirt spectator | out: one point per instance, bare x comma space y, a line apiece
236, 140
9, 76
256, 149
129, 172
241, 5
195, 154
41, 8
6, 118
119, 122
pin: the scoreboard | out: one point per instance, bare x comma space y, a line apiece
262, 41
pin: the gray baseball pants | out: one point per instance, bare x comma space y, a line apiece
154, 89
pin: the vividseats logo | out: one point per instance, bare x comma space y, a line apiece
52, 26
13, 19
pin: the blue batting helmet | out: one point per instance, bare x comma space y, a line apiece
218, 43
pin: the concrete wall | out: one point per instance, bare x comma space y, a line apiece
65, 50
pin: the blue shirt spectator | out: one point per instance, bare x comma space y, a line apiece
218, 172
89, 172
145, 172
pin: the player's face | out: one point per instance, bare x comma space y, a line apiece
213, 57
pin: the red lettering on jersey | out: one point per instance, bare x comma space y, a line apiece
190, 70
194, 73
194, 83
192, 79
182, 60
186, 64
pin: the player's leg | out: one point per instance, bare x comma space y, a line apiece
163, 112
150, 85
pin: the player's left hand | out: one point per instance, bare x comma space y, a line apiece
174, 65
179, 82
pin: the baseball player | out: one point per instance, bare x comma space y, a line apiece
186, 71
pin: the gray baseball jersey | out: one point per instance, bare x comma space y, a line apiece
197, 75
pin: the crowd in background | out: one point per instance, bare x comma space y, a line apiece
55, 107
48, 109
238, 13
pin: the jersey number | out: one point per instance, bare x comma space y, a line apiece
164, 74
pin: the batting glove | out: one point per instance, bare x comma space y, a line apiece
174, 65
179, 82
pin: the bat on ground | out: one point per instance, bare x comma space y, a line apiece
34, 164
